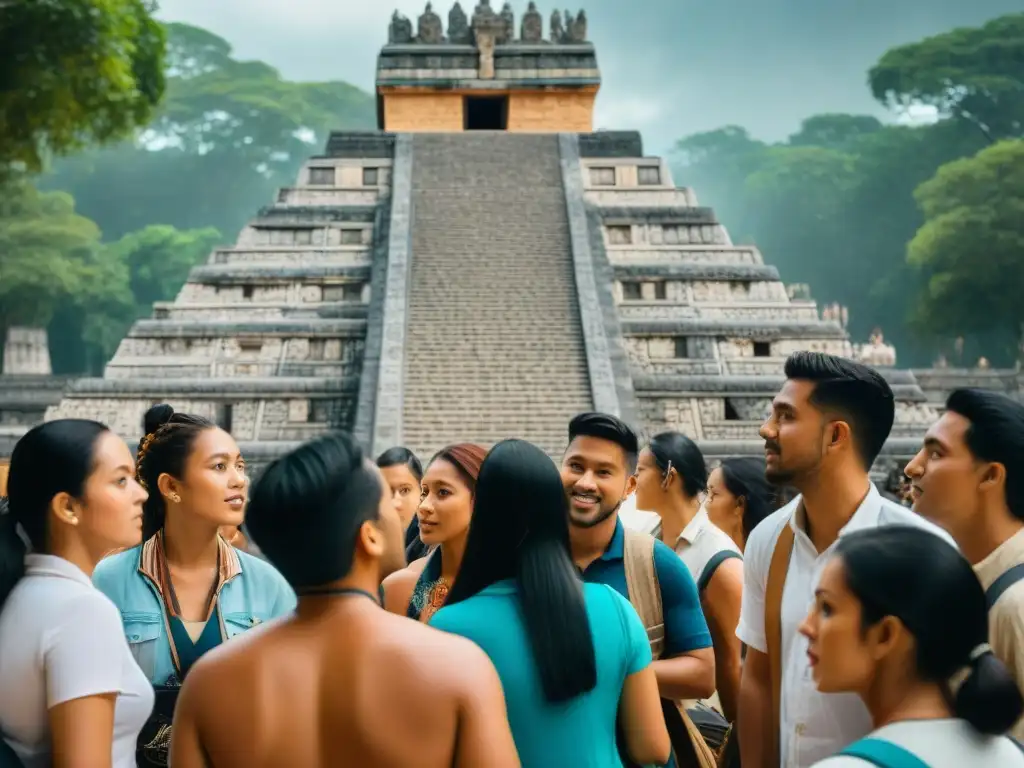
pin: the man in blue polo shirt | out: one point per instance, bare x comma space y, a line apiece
598, 474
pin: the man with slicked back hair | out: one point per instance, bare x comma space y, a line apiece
340, 681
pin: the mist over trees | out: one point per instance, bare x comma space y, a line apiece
917, 230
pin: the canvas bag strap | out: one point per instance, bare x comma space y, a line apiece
884, 754
773, 625
1003, 583
642, 586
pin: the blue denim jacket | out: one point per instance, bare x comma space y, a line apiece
252, 592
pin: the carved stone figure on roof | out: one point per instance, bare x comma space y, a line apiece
557, 30
458, 26
483, 12
577, 28
508, 25
400, 30
532, 29
430, 29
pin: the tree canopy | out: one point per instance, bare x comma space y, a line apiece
971, 74
971, 246
75, 73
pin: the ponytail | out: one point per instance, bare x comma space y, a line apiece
12, 552
988, 698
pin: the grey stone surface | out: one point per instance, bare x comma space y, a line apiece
215, 388
387, 419
355, 144
749, 272
249, 273
734, 385
659, 215
604, 384
494, 345
276, 327
743, 329
611, 144
309, 215
369, 382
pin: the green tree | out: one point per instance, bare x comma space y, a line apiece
971, 246
74, 73
159, 259
971, 74
228, 134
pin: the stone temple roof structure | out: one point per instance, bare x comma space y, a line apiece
483, 266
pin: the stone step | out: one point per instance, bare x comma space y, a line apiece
494, 347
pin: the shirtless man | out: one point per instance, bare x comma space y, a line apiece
340, 682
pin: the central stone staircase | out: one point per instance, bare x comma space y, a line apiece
494, 346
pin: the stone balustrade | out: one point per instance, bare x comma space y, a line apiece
667, 310
607, 197
327, 196
624, 234
276, 294
686, 254
251, 311
308, 234
353, 255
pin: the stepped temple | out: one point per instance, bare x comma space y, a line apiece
484, 265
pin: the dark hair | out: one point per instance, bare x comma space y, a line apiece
307, 507
467, 458
398, 455
165, 447
996, 435
744, 478
520, 530
857, 393
685, 458
54, 457
912, 574
604, 426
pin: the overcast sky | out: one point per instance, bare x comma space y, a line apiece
670, 67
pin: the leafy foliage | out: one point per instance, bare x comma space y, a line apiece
227, 136
972, 245
74, 73
973, 74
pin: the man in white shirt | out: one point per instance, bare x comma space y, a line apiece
827, 425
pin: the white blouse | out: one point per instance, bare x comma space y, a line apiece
61, 639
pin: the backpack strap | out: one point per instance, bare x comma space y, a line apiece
642, 586
773, 626
716, 560
884, 754
1003, 583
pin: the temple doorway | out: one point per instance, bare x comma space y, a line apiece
486, 113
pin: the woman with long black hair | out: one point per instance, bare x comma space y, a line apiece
899, 619
520, 598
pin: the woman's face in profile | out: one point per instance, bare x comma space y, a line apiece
446, 504
839, 649
405, 491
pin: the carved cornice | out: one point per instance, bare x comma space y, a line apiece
767, 330
640, 214
273, 216
360, 144
747, 386
163, 329
277, 386
738, 272
214, 274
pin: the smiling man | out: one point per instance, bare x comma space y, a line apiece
598, 474
826, 427
969, 479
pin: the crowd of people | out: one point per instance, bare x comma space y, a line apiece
491, 609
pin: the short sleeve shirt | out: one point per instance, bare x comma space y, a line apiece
577, 732
812, 725
61, 639
685, 627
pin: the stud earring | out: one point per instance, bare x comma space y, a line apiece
175, 498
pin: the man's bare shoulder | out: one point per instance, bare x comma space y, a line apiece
228, 661
444, 659
407, 575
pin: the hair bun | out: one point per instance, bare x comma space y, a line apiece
156, 417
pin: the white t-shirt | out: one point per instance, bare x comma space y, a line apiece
812, 725
61, 639
700, 541
941, 744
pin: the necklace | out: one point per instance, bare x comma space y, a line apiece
334, 592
